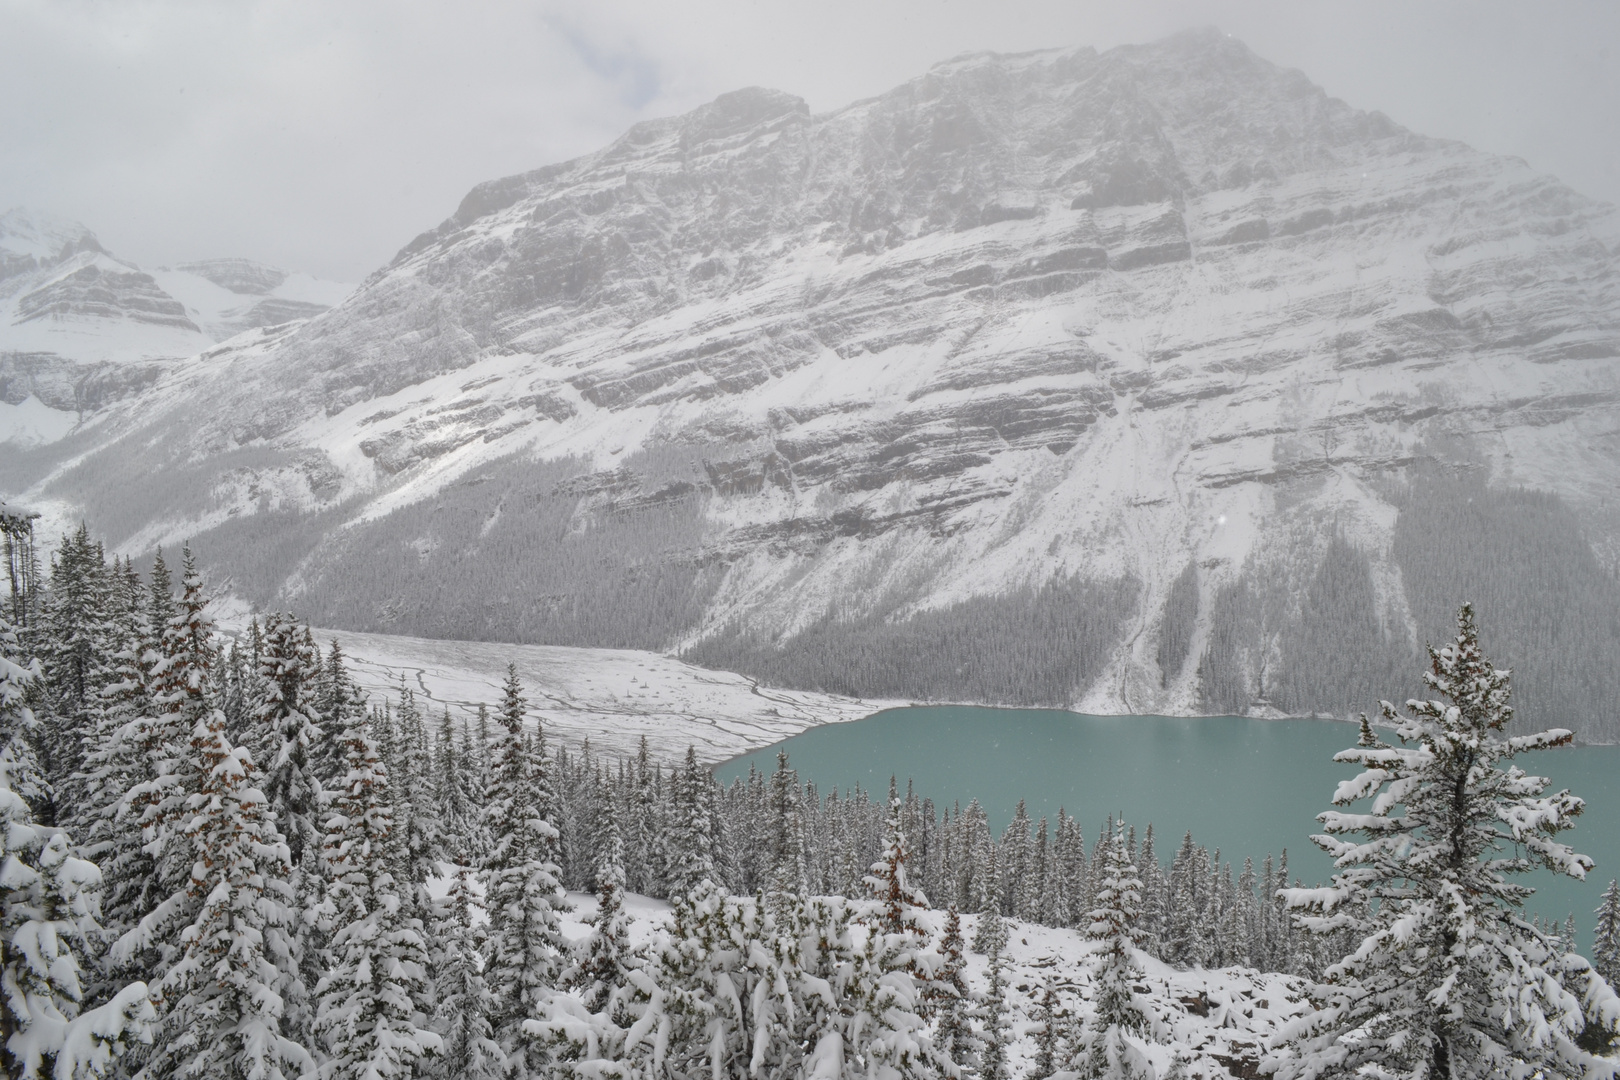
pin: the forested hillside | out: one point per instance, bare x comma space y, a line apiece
220, 860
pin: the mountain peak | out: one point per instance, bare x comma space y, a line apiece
32, 238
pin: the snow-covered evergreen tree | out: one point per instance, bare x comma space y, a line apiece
1606, 936
48, 926
1120, 1018
786, 876
221, 999
453, 784
605, 955
1447, 978
369, 1002
996, 1029
953, 1004
1048, 1033
77, 640
17, 722
464, 997
991, 935
689, 858
288, 731
902, 907
415, 805
522, 892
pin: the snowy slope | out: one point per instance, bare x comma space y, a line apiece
80, 327
1219, 1020
1062, 315
613, 697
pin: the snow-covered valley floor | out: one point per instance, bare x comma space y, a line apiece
611, 696
1220, 1020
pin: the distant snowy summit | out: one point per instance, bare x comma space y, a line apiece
70, 311
1148, 380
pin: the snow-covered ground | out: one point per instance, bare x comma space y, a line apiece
1219, 1020
31, 422
611, 696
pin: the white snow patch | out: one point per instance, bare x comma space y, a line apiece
31, 422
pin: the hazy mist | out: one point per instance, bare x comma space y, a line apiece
323, 137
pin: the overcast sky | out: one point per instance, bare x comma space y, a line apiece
323, 136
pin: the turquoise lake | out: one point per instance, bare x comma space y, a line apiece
1245, 786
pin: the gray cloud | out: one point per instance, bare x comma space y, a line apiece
323, 137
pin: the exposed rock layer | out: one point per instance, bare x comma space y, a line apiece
1064, 316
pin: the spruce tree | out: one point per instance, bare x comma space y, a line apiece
606, 958
221, 999
690, 854
1446, 977
1606, 936
416, 810
288, 731
1048, 1033
522, 894
991, 936
902, 907
17, 722
78, 664
952, 1002
465, 1000
996, 1031
48, 927
453, 785
369, 1001
1119, 1018
787, 866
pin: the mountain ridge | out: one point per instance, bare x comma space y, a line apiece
1022, 335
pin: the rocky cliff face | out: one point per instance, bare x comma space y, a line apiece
80, 328
1052, 331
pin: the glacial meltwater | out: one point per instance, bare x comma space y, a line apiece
1245, 786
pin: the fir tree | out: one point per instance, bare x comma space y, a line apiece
1446, 977
290, 738
288, 731
453, 784
787, 877
901, 906
369, 1000
416, 812
78, 664
17, 722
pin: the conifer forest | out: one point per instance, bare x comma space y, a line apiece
221, 860
884, 540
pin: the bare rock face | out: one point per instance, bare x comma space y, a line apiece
90, 290
1162, 314
242, 276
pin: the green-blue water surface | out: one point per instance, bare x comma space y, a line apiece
1245, 786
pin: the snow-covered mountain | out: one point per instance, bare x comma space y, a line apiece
1145, 380
80, 327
